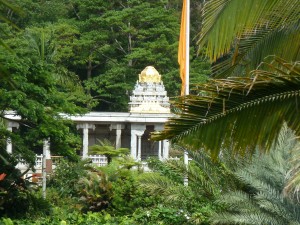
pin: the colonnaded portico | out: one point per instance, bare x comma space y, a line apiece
149, 109
126, 130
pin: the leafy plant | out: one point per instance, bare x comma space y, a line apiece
66, 177
94, 191
228, 108
106, 148
260, 200
205, 179
238, 36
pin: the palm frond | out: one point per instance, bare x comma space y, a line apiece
260, 201
225, 21
292, 187
252, 49
155, 183
239, 113
13, 8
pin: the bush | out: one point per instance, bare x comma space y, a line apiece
161, 215
66, 177
128, 195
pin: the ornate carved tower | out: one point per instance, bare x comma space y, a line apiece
149, 95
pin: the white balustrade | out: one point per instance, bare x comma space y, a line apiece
98, 160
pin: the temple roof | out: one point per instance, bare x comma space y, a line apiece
149, 95
149, 74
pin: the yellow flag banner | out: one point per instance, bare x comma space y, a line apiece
182, 48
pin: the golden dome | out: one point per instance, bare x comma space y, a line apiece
149, 75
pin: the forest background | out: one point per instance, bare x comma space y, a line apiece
77, 56
107, 44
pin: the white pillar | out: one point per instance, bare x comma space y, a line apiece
10, 126
46, 148
85, 143
118, 128
85, 138
139, 157
133, 143
159, 150
186, 163
163, 146
137, 131
118, 138
166, 147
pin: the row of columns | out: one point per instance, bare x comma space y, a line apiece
137, 131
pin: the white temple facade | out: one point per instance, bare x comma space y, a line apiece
149, 109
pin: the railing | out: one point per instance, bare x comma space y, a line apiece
38, 163
97, 160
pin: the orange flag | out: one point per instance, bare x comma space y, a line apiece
182, 48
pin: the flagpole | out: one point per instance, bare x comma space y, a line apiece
187, 52
187, 75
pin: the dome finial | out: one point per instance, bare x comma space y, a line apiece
149, 75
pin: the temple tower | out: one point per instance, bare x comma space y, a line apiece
149, 95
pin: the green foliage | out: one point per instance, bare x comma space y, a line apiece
127, 194
229, 108
18, 200
38, 96
195, 200
94, 191
14, 190
108, 43
161, 215
66, 177
107, 148
250, 31
260, 199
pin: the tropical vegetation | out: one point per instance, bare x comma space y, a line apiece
254, 48
240, 127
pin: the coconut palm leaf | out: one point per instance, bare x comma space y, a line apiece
260, 200
251, 50
251, 30
292, 187
154, 183
239, 113
12, 8
224, 20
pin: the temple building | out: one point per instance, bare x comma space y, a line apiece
149, 109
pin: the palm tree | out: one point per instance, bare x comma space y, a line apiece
260, 200
244, 191
206, 178
239, 35
292, 188
239, 113
248, 110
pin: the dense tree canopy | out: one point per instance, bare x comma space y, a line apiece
74, 56
107, 44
